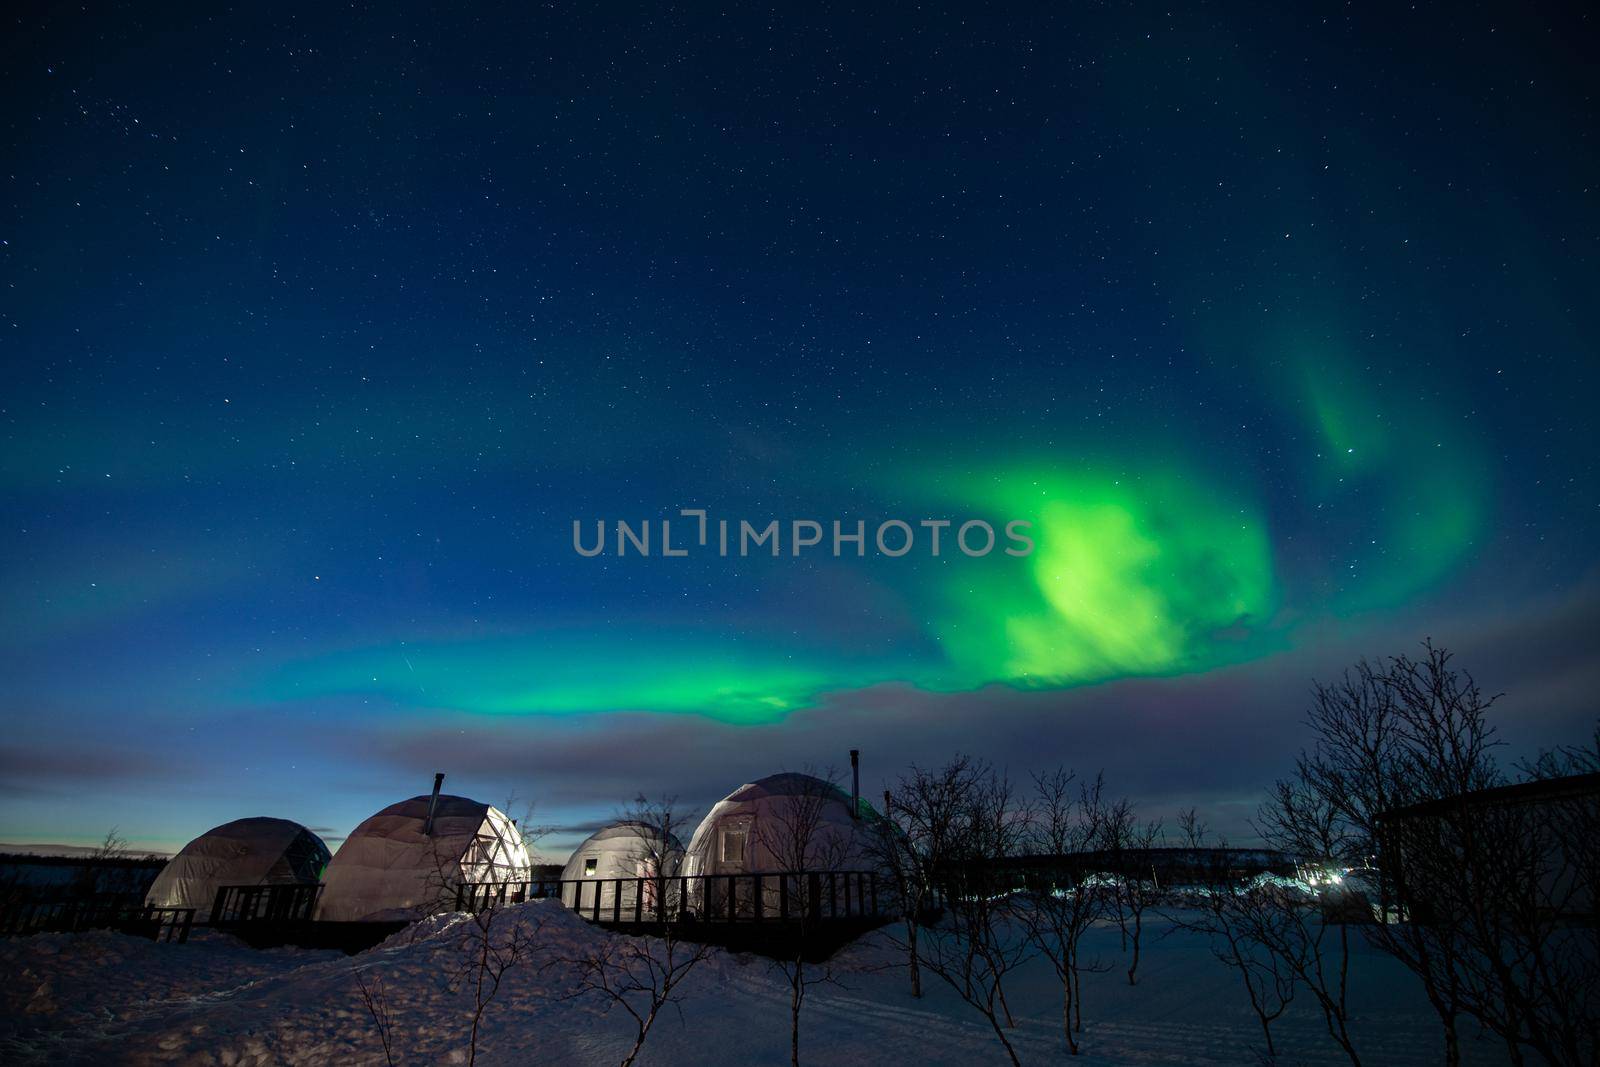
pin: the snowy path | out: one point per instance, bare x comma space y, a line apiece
104, 998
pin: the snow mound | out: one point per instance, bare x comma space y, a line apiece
70, 982
108, 998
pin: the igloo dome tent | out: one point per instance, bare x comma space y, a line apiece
404, 861
748, 832
257, 851
627, 849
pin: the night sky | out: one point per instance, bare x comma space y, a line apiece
322, 327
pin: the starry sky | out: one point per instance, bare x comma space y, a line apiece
321, 328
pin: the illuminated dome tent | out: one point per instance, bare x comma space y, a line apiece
626, 849
408, 859
259, 851
745, 833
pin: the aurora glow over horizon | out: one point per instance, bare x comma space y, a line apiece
1278, 328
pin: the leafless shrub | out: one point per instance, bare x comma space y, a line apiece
113, 847
894, 860
640, 975
1489, 903
643, 976
489, 951
1296, 927
920, 838
93, 876
1133, 893
795, 831
980, 939
1376, 750
1066, 898
1232, 914
487, 946
377, 1005
522, 813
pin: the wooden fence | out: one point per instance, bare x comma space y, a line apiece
96, 913
771, 896
263, 903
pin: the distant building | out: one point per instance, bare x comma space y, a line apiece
1546, 828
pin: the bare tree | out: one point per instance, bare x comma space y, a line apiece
95, 873
489, 945
1490, 902
112, 847
1565, 760
490, 950
918, 841
522, 813
796, 832
641, 975
894, 859
1066, 899
1311, 938
1232, 914
1137, 888
659, 848
1379, 746
981, 939
644, 975
1527, 909
376, 1002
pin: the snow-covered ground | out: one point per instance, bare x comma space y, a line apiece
107, 998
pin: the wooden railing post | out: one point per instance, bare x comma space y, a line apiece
218, 904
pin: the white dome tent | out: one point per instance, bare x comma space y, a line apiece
628, 849
753, 831
255, 851
408, 859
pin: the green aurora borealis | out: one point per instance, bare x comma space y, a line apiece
1278, 325
1134, 573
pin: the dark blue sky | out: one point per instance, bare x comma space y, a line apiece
321, 329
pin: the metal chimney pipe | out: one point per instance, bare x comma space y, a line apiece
433, 804
855, 783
